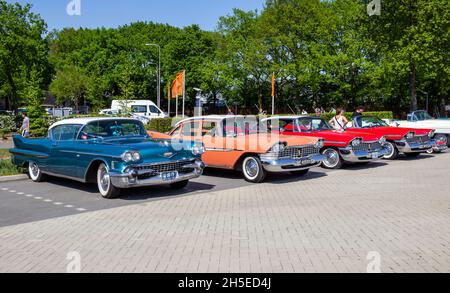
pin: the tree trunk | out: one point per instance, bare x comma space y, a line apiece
412, 86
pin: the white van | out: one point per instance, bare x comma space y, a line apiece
139, 108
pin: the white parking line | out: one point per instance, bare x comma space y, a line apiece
46, 200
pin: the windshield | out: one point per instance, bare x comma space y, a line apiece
368, 122
243, 126
422, 115
113, 129
312, 124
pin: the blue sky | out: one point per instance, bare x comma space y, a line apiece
113, 13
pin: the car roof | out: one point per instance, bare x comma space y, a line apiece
84, 121
291, 117
210, 117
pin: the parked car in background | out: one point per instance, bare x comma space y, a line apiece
108, 112
339, 147
143, 108
422, 120
243, 144
409, 141
115, 153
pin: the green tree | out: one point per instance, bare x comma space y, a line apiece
69, 86
22, 48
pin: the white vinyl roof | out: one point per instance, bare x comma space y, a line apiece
84, 121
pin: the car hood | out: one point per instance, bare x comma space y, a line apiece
347, 136
151, 149
394, 132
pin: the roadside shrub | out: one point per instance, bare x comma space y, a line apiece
7, 125
8, 168
381, 115
162, 125
39, 127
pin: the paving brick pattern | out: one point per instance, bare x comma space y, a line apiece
320, 223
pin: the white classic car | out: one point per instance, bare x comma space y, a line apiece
422, 120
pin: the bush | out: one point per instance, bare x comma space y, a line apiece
162, 125
7, 125
381, 115
8, 168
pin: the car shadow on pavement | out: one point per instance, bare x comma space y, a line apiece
282, 178
364, 166
160, 192
421, 157
140, 193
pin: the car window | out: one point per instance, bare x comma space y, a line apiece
284, 125
210, 128
367, 122
313, 124
154, 110
112, 129
139, 109
176, 131
190, 128
65, 132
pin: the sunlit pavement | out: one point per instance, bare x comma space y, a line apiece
391, 216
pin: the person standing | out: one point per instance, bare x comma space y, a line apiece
358, 112
25, 129
339, 122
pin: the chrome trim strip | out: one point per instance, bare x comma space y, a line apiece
29, 155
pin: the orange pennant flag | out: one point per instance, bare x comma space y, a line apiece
177, 85
273, 85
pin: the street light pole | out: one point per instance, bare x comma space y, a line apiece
159, 73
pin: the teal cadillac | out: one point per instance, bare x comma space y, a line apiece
115, 153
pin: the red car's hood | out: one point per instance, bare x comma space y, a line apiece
390, 132
337, 138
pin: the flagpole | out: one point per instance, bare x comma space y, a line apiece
169, 98
184, 90
273, 94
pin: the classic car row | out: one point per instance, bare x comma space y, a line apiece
118, 153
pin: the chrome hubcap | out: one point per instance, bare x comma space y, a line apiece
390, 148
104, 179
251, 168
34, 170
332, 158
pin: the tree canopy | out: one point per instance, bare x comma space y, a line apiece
323, 53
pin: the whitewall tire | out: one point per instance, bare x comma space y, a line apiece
253, 169
35, 173
105, 186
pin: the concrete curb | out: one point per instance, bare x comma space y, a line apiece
13, 178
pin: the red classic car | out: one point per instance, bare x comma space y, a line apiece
339, 147
409, 141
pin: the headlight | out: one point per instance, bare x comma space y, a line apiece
128, 157
410, 135
383, 140
431, 134
319, 144
278, 148
356, 142
198, 150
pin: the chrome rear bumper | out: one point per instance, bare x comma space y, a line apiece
288, 165
131, 179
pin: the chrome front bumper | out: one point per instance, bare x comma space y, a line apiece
130, 179
406, 147
288, 165
352, 156
439, 147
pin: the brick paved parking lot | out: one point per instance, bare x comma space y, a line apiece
325, 222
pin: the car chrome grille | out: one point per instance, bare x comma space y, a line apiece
157, 169
368, 146
418, 139
299, 152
